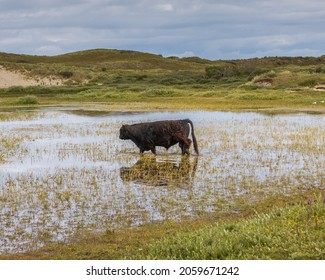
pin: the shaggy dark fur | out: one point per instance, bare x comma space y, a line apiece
161, 133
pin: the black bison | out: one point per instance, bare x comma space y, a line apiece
161, 133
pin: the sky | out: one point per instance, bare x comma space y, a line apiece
225, 29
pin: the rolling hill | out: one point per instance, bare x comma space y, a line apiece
104, 74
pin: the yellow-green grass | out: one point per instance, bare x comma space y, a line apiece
291, 232
280, 227
170, 98
114, 77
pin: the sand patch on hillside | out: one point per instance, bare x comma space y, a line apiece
10, 78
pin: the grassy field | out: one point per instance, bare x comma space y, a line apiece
113, 77
291, 232
282, 227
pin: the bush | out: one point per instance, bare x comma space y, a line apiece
221, 71
16, 89
159, 92
66, 74
28, 100
308, 83
254, 96
317, 70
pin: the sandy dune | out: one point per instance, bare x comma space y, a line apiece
9, 79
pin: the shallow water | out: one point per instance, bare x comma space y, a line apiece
63, 171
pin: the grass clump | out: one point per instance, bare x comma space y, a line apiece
295, 232
159, 93
308, 83
28, 100
8, 147
254, 96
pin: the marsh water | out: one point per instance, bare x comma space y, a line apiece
65, 170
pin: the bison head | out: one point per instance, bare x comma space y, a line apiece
124, 133
185, 146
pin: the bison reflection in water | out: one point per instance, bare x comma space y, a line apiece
149, 171
161, 133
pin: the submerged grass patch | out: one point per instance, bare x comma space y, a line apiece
9, 147
69, 173
292, 229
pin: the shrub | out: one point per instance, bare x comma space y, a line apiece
317, 70
27, 100
159, 92
221, 71
308, 83
66, 74
254, 96
16, 89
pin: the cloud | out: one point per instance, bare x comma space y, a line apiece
212, 29
184, 54
165, 7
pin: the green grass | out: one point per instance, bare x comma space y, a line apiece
114, 76
295, 232
27, 100
280, 227
167, 97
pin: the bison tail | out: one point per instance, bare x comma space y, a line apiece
193, 136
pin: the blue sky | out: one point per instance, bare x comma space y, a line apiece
225, 29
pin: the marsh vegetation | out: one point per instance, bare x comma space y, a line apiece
64, 171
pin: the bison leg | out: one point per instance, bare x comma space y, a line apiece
183, 148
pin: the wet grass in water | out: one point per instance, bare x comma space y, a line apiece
71, 173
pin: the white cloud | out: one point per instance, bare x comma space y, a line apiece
183, 54
208, 28
165, 7
48, 50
